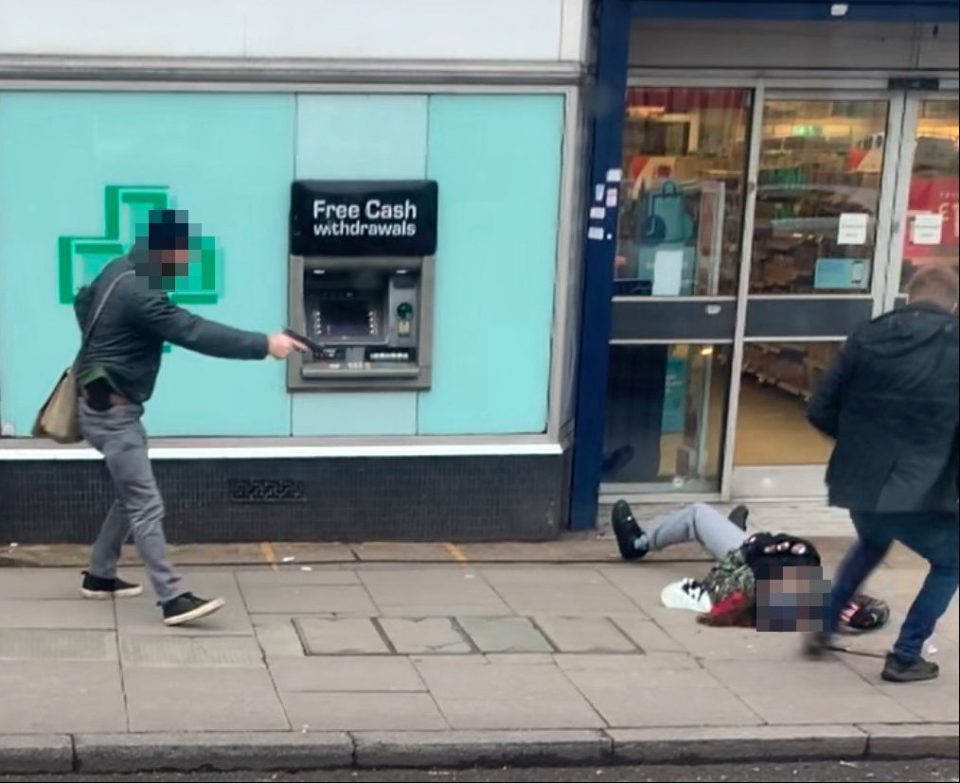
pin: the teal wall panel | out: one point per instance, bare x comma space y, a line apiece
359, 137
228, 159
69, 161
498, 161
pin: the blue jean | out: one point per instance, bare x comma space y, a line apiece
932, 536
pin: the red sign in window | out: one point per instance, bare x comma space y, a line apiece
934, 195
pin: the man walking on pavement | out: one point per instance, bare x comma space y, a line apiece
116, 374
890, 401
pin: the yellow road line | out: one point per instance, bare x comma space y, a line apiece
456, 553
266, 549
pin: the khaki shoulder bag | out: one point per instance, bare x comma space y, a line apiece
57, 419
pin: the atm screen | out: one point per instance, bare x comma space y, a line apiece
347, 318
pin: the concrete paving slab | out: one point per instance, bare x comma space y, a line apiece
273, 620
49, 644
656, 693
636, 663
61, 697
363, 711
186, 556
142, 617
39, 584
645, 633
313, 552
202, 699
930, 701
399, 552
643, 583
173, 652
288, 751
294, 577
815, 692
705, 642
589, 550
383, 674
584, 634
934, 701
506, 696
57, 614
279, 640
504, 635
309, 599
520, 659
567, 591
425, 636
341, 636
437, 590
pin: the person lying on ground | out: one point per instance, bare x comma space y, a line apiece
775, 572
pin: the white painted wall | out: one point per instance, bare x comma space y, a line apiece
521, 30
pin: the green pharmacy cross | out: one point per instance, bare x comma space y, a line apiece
126, 212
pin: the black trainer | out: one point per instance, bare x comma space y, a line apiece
98, 588
739, 517
187, 607
818, 644
627, 531
897, 670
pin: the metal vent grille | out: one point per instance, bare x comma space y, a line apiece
267, 491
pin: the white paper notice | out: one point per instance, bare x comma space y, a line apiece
667, 272
614, 175
599, 191
595, 232
927, 228
612, 197
598, 213
853, 228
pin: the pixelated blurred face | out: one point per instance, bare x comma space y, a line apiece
792, 598
173, 262
168, 238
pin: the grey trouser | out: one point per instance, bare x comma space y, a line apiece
699, 522
119, 435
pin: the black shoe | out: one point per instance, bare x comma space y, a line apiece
616, 461
98, 588
816, 645
187, 607
739, 517
897, 670
627, 531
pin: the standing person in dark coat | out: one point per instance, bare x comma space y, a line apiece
116, 375
890, 401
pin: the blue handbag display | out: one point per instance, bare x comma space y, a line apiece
662, 216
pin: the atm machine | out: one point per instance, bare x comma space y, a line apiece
361, 275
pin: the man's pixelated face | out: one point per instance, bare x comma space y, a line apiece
169, 238
792, 598
173, 262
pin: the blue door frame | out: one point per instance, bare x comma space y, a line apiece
612, 28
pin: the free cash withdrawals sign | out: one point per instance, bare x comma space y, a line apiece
397, 218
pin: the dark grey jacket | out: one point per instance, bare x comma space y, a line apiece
890, 400
128, 339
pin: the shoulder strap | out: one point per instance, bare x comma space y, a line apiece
88, 330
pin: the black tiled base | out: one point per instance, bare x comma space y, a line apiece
350, 499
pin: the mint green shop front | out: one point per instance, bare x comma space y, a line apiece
239, 457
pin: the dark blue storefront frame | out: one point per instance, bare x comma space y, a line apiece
612, 21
